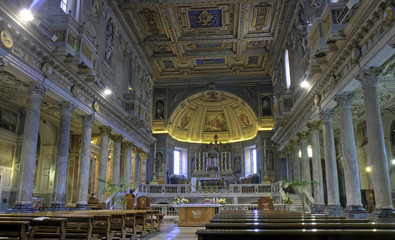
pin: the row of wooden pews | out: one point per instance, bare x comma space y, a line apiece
238, 224
90, 225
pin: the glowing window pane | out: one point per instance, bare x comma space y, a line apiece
287, 70
63, 5
177, 157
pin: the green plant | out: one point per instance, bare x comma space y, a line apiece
115, 189
222, 201
299, 187
287, 199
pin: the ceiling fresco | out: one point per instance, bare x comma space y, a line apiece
204, 115
183, 38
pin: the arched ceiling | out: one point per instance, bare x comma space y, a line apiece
203, 115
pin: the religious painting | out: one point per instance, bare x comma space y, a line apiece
244, 119
266, 106
8, 119
159, 110
269, 160
6, 154
159, 162
185, 120
215, 122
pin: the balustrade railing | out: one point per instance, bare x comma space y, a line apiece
238, 189
169, 210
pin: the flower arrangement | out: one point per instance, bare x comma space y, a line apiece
180, 200
287, 199
222, 201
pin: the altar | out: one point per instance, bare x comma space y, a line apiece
195, 215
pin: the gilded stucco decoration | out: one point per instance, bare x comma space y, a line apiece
209, 113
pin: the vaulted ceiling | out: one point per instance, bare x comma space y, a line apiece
229, 38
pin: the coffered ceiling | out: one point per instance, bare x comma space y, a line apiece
184, 38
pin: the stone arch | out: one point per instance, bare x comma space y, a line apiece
46, 158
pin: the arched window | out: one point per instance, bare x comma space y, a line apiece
63, 5
287, 70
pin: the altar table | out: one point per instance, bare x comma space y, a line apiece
195, 215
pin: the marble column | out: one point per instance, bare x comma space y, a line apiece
29, 149
136, 165
318, 188
354, 207
101, 186
59, 188
333, 208
290, 168
384, 211
305, 162
116, 167
296, 160
127, 160
143, 167
83, 178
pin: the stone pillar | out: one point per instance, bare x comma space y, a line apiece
29, 149
296, 160
384, 211
59, 188
318, 188
83, 178
354, 207
101, 186
136, 165
116, 167
290, 168
333, 208
143, 170
127, 160
305, 162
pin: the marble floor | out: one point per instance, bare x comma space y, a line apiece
171, 231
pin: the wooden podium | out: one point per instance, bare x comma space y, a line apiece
195, 215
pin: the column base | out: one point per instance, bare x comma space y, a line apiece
81, 206
355, 212
57, 207
23, 207
383, 215
333, 210
318, 208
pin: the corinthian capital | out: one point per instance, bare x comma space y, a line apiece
344, 99
303, 135
314, 125
66, 108
105, 130
368, 77
117, 138
36, 89
88, 120
327, 114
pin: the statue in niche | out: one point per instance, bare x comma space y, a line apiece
269, 160
266, 106
237, 165
109, 41
160, 110
159, 162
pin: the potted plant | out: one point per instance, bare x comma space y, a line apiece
115, 190
299, 187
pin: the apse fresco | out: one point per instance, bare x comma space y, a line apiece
185, 120
244, 119
215, 122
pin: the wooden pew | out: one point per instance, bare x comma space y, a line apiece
295, 234
77, 227
294, 220
47, 227
14, 229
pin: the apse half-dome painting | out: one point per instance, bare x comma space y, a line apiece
202, 116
